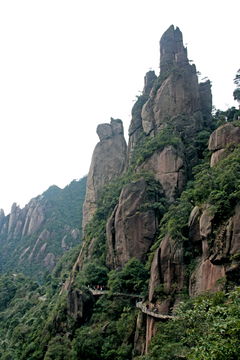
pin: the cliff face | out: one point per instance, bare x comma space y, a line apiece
107, 163
169, 120
131, 232
173, 99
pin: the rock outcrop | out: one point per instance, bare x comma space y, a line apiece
176, 91
31, 237
222, 137
169, 169
174, 98
2, 218
79, 305
132, 228
167, 274
107, 163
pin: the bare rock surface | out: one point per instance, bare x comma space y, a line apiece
167, 167
79, 305
223, 136
49, 261
40, 240
220, 138
205, 277
107, 163
131, 229
194, 226
178, 93
14, 216
2, 218
167, 269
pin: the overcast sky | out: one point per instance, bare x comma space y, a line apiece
67, 66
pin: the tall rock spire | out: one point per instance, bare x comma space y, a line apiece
107, 163
172, 51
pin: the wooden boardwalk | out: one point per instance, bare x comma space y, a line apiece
102, 292
139, 304
152, 313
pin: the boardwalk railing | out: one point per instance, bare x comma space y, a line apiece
102, 292
152, 313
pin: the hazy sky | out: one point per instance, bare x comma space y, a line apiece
67, 66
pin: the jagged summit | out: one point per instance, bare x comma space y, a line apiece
172, 51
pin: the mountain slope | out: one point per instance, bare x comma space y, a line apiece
34, 238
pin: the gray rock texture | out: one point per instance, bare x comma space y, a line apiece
107, 163
131, 229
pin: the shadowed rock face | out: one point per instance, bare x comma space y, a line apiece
167, 269
131, 230
107, 163
79, 305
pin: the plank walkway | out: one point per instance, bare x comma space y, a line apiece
102, 292
152, 313
139, 304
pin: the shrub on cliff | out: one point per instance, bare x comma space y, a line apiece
204, 328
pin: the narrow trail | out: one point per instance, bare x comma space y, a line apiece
152, 313
139, 304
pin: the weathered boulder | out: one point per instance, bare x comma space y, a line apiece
220, 138
107, 163
223, 136
205, 277
168, 169
49, 261
75, 234
206, 222
79, 305
216, 156
132, 228
168, 270
194, 226
218, 245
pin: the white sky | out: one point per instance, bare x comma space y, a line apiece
67, 66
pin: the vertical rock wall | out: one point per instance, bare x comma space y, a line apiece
107, 163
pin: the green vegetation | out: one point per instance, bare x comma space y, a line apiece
63, 213
236, 93
109, 198
34, 319
204, 328
35, 325
147, 145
